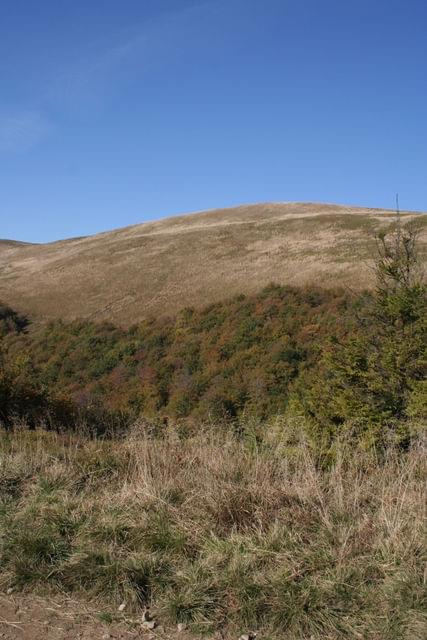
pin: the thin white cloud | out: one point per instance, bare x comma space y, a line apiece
23, 130
96, 73
101, 67
90, 77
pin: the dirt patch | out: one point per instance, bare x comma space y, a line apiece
33, 618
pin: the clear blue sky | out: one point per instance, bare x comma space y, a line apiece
113, 113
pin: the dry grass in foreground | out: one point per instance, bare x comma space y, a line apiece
222, 533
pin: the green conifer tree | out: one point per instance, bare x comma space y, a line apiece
374, 379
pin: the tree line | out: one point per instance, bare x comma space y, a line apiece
341, 361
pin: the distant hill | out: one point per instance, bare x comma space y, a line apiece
157, 268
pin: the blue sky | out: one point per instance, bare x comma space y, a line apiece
113, 113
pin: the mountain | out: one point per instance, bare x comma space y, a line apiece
156, 268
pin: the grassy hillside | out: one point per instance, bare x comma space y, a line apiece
160, 267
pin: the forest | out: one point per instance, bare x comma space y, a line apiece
340, 360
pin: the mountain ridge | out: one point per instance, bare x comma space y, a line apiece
341, 208
158, 267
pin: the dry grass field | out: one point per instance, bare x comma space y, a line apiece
221, 533
159, 267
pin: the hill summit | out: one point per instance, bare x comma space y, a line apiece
157, 268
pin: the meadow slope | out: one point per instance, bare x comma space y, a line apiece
160, 267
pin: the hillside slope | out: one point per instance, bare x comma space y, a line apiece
159, 267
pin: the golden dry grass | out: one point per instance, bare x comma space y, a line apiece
223, 533
159, 267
